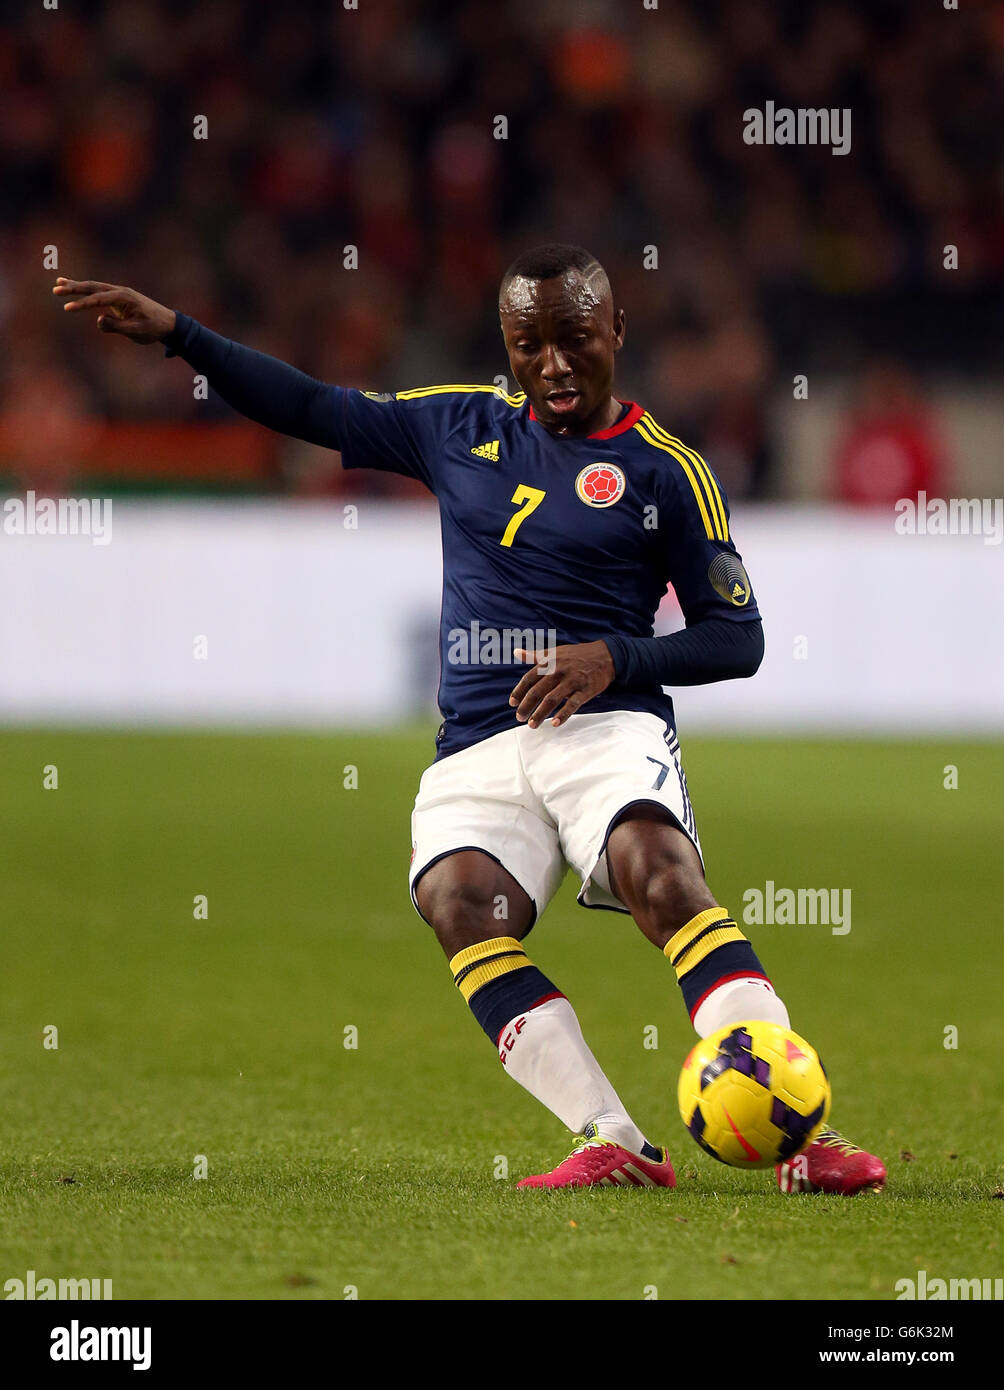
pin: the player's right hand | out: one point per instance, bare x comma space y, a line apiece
120, 310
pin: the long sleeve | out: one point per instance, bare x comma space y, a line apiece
715, 649
263, 388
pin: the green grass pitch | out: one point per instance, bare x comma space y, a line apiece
374, 1168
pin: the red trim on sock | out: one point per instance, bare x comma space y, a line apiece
555, 994
544, 998
737, 975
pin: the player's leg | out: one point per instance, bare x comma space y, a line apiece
466, 896
653, 867
655, 870
617, 790
615, 785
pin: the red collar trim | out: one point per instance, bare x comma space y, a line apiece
634, 414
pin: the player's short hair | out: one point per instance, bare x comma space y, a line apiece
549, 261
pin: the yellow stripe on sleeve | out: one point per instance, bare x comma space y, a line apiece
705, 473
711, 530
419, 391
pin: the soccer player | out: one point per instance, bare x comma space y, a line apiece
565, 513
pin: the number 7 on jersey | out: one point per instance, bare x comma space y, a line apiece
531, 497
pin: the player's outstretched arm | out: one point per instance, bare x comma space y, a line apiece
263, 388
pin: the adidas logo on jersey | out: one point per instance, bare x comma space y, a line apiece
487, 451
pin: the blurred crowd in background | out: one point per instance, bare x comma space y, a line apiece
331, 127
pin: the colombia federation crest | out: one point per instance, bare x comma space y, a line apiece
600, 484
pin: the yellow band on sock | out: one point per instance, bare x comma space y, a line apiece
475, 965
702, 935
481, 950
694, 927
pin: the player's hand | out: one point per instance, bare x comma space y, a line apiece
568, 677
120, 310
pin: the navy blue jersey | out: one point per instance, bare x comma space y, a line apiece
576, 539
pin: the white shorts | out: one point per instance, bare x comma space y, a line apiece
541, 800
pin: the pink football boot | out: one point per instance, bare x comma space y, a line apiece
832, 1163
602, 1163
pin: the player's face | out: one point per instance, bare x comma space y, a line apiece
561, 336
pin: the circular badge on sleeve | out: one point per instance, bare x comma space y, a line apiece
729, 579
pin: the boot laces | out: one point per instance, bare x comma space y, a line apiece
830, 1139
592, 1151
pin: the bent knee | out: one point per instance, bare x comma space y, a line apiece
453, 903
471, 901
672, 894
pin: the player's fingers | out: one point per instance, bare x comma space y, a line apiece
64, 286
527, 655
544, 661
544, 666
528, 705
554, 697
574, 702
524, 684
96, 301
